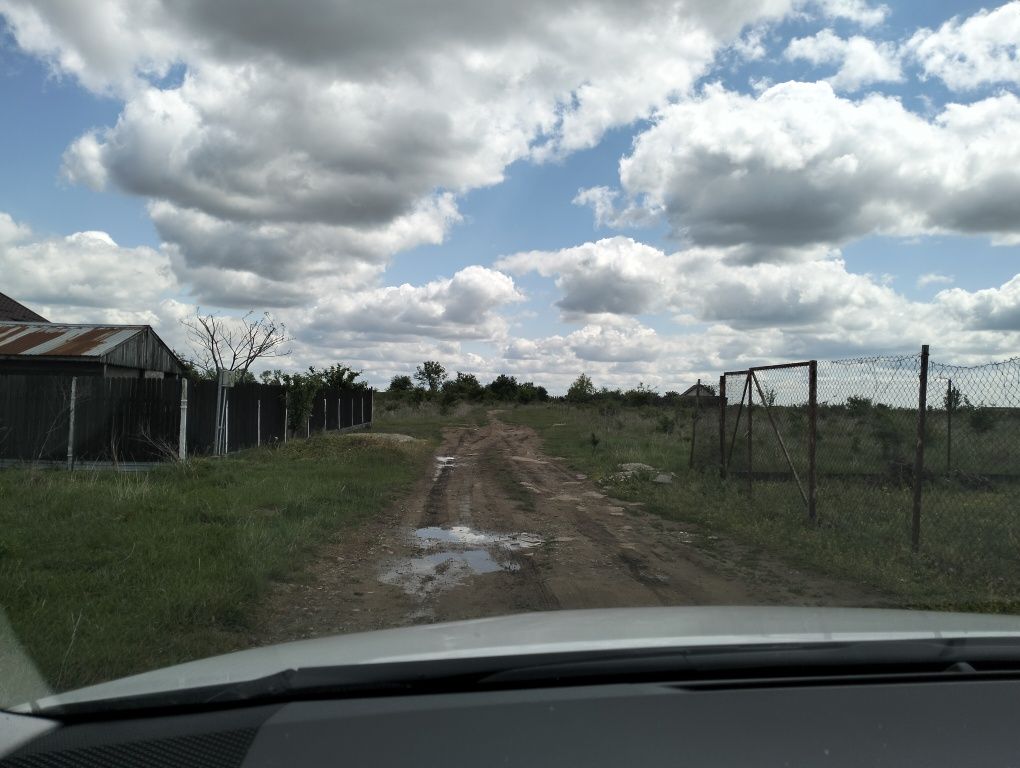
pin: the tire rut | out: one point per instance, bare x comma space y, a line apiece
514, 530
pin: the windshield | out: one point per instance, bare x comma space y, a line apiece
332, 317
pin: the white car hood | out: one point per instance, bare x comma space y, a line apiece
556, 631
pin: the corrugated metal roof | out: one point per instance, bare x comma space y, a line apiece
60, 340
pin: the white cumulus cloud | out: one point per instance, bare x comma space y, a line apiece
799, 165
968, 53
356, 117
860, 60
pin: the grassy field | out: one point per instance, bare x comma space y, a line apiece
103, 574
425, 421
970, 558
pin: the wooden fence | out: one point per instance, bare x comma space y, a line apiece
87, 419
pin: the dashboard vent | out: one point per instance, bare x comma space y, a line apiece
223, 749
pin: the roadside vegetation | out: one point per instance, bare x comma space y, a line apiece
422, 404
424, 420
104, 574
968, 558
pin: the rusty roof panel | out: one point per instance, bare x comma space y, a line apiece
51, 339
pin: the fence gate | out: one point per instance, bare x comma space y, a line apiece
769, 436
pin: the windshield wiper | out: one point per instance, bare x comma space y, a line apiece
699, 666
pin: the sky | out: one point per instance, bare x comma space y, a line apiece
644, 190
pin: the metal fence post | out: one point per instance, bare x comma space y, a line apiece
226, 424
324, 412
722, 426
286, 423
182, 434
258, 422
339, 420
922, 407
371, 405
694, 422
949, 426
812, 440
750, 447
70, 423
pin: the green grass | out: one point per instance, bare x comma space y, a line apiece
970, 555
425, 421
104, 574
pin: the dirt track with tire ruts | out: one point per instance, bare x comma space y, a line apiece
498, 527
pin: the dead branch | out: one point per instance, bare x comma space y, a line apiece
234, 344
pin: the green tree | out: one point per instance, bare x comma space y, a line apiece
953, 399
301, 389
582, 390
430, 375
643, 395
193, 370
401, 384
529, 392
464, 387
503, 387
339, 376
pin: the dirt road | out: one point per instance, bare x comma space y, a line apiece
497, 527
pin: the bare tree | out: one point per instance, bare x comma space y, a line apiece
234, 344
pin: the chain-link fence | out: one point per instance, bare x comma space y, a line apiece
904, 453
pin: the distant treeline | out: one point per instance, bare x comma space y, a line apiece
430, 382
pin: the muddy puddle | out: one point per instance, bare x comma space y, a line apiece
449, 555
443, 463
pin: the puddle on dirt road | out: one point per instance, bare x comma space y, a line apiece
461, 534
451, 555
442, 463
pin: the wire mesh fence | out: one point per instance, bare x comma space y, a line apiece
905, 453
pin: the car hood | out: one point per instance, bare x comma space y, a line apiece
555, 632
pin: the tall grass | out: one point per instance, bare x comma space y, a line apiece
104, 574
970, 553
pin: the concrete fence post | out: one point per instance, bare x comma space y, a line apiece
226, 424
286, 423
362, 421
182, 433
325, 411
339, 421
70, 423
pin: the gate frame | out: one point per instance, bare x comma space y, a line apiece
810, 497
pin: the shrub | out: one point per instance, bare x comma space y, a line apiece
887, 434
582, 390
981, 420
858, 406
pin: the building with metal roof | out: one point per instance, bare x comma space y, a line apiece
15, 310
86, 350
